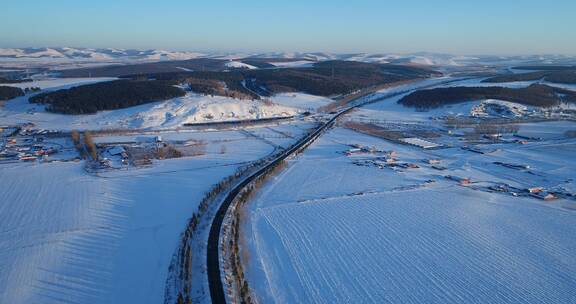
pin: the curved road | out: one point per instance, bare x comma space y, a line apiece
213, 261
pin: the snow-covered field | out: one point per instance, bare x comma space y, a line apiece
327, 231
417, 246
71, 237
301, 101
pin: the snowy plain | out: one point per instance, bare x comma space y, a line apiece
72, 237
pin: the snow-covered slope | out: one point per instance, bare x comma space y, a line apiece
200, 109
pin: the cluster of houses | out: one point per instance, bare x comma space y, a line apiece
536, 192
385, 159
36, 132
113, 156
359, 150
501, 109
27, 149
509, 110
388, 159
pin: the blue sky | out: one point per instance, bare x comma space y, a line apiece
459, 27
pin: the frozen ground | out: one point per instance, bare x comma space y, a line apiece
301, 101
327, 231
70, 237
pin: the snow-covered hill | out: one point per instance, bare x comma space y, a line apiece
239, 65
201, 109
95, 54
171, 113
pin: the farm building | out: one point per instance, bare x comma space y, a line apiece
421, 143
460, 180
535, 189
116, 150
543, 195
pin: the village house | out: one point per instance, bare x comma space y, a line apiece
535, 189
461, 180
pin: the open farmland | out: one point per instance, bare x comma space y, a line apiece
404, 247
327, 230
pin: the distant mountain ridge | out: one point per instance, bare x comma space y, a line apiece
95, 54
421, 58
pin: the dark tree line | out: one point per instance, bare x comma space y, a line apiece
534, 95
88, 99
326, 78
568, 77
557, 76
7, 93
336, 77
7, 80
